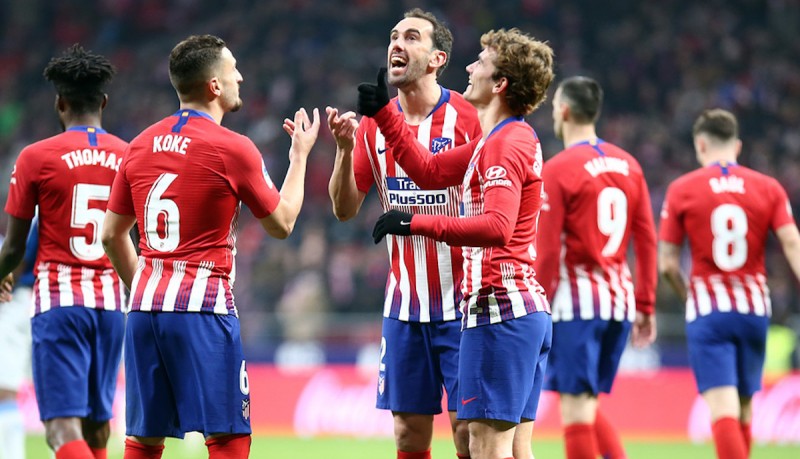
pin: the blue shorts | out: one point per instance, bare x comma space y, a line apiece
184, 372
417, 361
76, 354
585, 355
727, 349
501, 368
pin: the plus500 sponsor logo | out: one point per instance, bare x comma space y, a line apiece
403, 191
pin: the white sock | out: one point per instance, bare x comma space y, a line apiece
12, 431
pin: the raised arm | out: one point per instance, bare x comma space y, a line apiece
280, 223
345, 196
426, 170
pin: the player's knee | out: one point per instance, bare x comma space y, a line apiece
413, 432
96, 434
461, 436
60, 431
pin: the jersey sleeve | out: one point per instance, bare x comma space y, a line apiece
671, 227
426, 170
121, 199
362, 168
646, 250
782, 213
551, 225
249, 178
503, 168
23, 193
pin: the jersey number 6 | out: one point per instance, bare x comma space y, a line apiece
159, 209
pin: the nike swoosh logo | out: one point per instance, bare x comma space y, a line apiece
464, 402
382, 150
402, 223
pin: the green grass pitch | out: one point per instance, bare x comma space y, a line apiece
349, 448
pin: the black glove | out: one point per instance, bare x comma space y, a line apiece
373, 97
392, 222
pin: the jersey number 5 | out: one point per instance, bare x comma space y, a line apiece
82, 215
159, 209
729, 227
612, 218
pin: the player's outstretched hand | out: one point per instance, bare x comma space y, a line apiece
644, 330
303, 131
373, 97
343, 127
392, 222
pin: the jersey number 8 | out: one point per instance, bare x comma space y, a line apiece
729, 227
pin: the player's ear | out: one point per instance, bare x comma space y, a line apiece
438, 59
104, 102
500, 85
215, 87
60, 104
738, 147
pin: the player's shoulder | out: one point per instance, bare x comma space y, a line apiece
456, 99
44, 146
114, 142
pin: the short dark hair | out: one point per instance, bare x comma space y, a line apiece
79, 78
442, 37
527, 64
717, 123
192, 62
584, 97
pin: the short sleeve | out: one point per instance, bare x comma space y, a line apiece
121, 199
23, 192
671, 227
362, 168
249, 178
782, 208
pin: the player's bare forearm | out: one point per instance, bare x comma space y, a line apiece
345, 196
789, 237
13, 250
280, 223
118, 245
669, 267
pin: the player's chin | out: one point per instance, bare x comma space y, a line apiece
237, 105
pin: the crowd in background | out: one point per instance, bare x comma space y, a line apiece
660, 63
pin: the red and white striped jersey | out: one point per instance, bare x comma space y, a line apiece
596, 202
726, 212
425, 275
69, 177
500, 203
185, 178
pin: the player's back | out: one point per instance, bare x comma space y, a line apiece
187, 176
726, 212
601, 187
69, 177
597, 200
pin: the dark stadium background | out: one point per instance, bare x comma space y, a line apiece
321, 291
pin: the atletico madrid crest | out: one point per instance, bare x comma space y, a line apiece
246, 408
